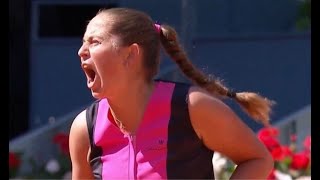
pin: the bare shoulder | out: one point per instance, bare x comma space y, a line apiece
220, 128
79, 145
79, 124
202, 103
79, 136
205, 110
211, 117
199, 97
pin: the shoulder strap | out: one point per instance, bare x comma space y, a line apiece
95, 152
179, 102
91, 116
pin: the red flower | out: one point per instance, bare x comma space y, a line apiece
272, 176
293, 137
307, 143
270, 142
268, 136
281, 152
268, 132
60, 137
63, 141
300, 161
286, 160
14, 161
64, 146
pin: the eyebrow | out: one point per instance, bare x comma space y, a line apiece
92, 37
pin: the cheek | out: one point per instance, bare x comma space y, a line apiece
108, 68
108, 64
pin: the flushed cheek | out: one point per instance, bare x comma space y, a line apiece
107, 76
108, 68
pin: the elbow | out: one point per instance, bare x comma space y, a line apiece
268, 161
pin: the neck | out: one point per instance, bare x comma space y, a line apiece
129, 105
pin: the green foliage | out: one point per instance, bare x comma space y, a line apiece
304, 16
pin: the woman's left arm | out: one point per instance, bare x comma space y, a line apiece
223, 131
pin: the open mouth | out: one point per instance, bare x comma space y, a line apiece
90, 74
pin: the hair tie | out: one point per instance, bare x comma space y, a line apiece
157, 27
231, 94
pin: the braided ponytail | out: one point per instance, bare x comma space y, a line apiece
256, 106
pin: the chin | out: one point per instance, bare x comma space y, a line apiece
97, 95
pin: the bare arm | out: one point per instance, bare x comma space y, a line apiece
221, 130
79, 147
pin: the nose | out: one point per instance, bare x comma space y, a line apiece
83, 52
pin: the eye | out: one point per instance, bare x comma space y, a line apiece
94, 42
91, 42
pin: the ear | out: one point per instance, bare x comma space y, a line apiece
134, 52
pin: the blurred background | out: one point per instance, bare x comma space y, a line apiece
253, 45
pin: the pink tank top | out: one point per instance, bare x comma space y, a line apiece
164, 146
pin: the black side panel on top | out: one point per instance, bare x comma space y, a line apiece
96, 152
187, 157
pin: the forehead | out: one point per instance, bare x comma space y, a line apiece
97, 26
